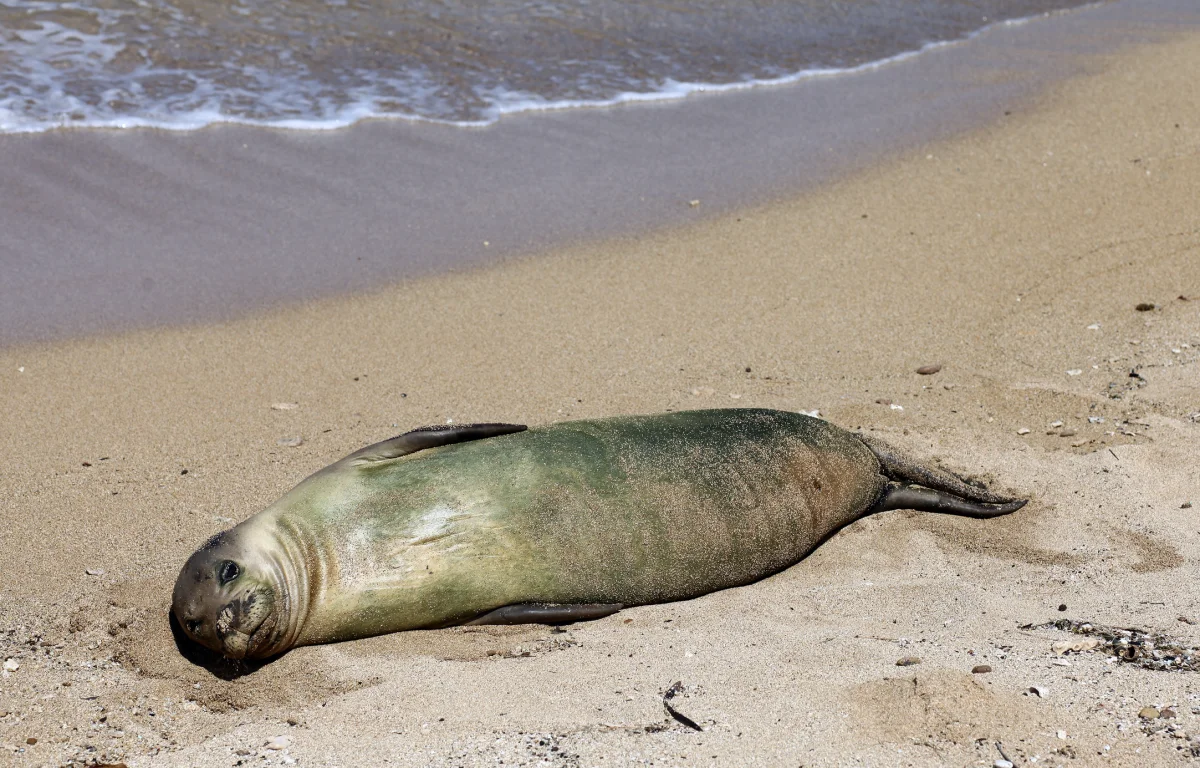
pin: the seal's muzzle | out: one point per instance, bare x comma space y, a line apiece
244, 625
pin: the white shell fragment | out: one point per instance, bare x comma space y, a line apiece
1078, 646
279, 742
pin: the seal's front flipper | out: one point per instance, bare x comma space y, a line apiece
927, 500
547, 613
427, 437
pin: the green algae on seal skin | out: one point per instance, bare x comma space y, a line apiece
493, 523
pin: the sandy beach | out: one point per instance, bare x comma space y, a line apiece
1048, 261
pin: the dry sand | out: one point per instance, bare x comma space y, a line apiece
1014, 257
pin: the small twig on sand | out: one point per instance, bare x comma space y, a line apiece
1000, 749
670, 693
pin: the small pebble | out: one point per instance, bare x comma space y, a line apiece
11, 665
1067, 433
694, 203
284, 406
907, 661
1061, 734
1023, 431
1002, 764
1039, 691
1056, 424
1074, 372
1144, 307
1166, 712
1080, 443
1094, 327
981, 669
31, 741
895, 407
1062, 606
290, 442
94, 571
1148, 713
883, 401
929, 370
1186, 505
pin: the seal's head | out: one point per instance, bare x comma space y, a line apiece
227, 599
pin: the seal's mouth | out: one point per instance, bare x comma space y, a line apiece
246, 624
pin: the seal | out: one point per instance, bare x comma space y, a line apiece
494, 523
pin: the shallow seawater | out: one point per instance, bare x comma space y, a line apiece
326, 63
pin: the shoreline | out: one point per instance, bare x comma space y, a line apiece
1015, 256
670, 91
107, 231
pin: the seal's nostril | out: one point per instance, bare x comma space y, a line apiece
193, 626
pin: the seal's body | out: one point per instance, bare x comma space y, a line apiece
574, 520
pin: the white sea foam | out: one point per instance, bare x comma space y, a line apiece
55, 76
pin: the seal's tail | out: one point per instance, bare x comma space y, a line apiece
942, 491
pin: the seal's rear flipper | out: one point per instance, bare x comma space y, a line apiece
927, 500
900, 468
547, 613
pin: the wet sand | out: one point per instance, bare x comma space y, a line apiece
1014, 256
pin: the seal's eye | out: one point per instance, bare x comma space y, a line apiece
229, 571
